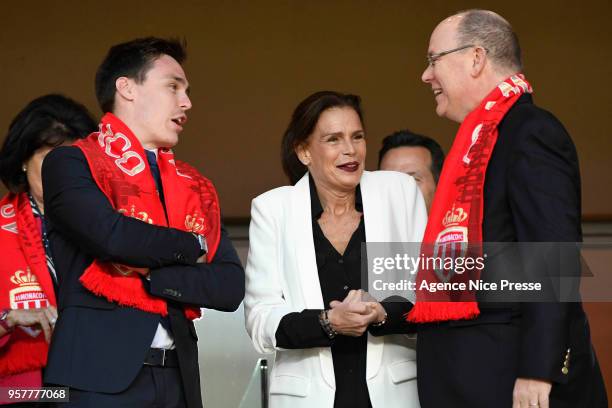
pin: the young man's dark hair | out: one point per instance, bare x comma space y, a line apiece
132, 59
405, 138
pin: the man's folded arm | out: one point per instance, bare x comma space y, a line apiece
217, 285
80, 211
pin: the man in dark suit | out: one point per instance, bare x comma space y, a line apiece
109, 349
530, 354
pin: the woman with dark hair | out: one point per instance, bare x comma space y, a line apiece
27, 278
335, 346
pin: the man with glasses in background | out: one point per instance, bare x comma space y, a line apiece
511, 176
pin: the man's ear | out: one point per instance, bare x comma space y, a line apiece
303, 154
479, 61
125, 88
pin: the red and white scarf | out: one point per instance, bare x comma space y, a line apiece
456, 214
118, 164
25, 283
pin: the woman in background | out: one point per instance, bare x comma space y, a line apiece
303, 275
27, 278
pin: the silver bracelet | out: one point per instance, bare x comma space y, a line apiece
326, 325
382, 322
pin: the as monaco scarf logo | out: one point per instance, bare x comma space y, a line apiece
28, 293
452, 242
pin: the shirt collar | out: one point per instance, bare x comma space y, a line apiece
154, 151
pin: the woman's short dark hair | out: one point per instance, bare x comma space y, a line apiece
46, 121
132, 59
303, 122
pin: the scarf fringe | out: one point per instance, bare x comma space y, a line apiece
23, 353
125, 291
429, 312
114, 290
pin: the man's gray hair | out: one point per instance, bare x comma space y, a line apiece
492, 32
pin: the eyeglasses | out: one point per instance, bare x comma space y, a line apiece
432, 58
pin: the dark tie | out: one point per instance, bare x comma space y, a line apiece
152, 159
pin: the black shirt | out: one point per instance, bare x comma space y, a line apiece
338, 274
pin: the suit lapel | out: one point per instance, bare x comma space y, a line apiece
305, 258
374, 214
373, 210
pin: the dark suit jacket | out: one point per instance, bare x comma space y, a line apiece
98, 345
531, 194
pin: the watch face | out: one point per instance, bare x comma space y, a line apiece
4, 314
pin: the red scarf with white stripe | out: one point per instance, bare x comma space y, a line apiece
454, 228
119, 166
25, 283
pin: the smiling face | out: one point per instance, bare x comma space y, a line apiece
160, 103
335, 151
450, 76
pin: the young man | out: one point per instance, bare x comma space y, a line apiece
137, 240
418, 156
511, 176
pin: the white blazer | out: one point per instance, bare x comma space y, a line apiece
282, 277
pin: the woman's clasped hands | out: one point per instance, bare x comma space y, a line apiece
355, 313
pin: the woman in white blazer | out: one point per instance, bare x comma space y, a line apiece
303, 299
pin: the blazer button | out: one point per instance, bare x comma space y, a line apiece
565, 370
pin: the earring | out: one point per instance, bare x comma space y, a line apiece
24, 168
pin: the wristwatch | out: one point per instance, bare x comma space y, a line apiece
202, 241
3, 317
